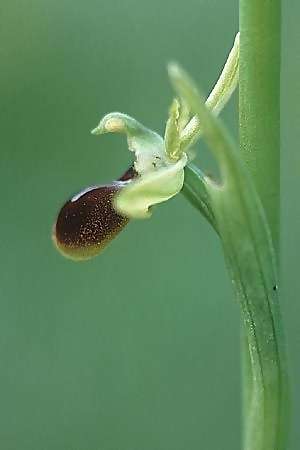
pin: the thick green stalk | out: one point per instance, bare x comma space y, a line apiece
264, 397
259, 75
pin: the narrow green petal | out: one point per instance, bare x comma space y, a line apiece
172, 137
219, 96
135, 200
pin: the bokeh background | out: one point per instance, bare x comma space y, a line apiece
137, 349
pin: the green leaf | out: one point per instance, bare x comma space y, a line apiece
250, 256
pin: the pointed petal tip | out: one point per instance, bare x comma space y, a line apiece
113, 123
173, 69
96, 131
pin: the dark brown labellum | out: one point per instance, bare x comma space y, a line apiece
88, 221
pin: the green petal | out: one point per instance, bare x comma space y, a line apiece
135, 200
172, 133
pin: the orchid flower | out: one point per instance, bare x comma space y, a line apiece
90, 219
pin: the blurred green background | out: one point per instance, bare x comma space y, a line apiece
137, 349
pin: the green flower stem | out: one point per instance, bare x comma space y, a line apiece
260, 150
250, 256
260, 102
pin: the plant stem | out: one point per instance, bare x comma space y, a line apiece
259, 69
264, 395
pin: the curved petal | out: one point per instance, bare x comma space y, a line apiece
139, 195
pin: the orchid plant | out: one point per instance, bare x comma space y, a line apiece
242, 205
88, 222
